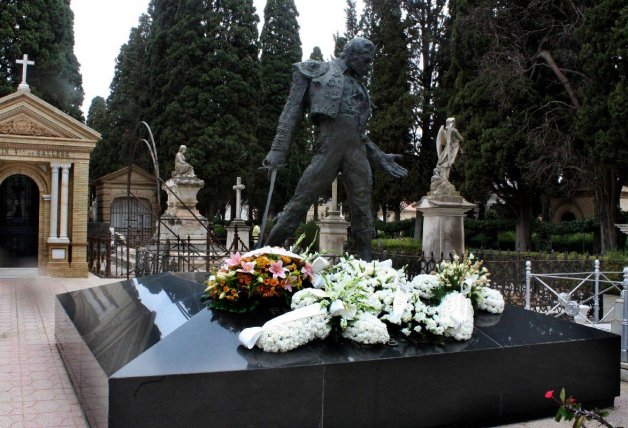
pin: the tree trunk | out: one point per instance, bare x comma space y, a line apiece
523, 230
398, 214
606, 197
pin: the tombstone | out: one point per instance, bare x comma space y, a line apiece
44, 167
182, 218
333, 228
443, 208
237, 223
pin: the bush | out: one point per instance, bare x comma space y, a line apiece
577, 235
580, 242
220, 230
394, 229
399, 244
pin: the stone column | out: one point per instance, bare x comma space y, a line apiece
63, 218
333, 228
443, 224
59, 244
54, 202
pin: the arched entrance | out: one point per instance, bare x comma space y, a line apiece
19, 220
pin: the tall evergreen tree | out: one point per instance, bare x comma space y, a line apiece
352, 28
367, 19
43, 29
98, 119
97, 114
339, 44
175, 61
602, 121
351, 20
392, 102
225, 148
317, 54
126, 106
280, 48
196, 51
514, 109
427, 34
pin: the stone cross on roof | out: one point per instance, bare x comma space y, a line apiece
238, 188
25, 63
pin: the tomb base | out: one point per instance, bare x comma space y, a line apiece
145, 353
333, 233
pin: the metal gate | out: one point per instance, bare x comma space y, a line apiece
131, 218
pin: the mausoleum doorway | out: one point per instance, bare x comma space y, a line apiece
132, 218
44, 177
19, 221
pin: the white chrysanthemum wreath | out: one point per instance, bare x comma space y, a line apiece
357, 298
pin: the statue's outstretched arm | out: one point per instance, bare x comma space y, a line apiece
288, 121
386, 161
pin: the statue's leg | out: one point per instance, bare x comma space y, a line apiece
358, 181
317, 177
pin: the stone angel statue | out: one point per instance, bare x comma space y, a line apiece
447, 147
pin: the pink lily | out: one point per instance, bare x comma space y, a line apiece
306, 270
234, 260
247, 267
277, 269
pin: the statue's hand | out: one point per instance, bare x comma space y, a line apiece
388, 163
273, 160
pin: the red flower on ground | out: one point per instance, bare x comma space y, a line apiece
549, 394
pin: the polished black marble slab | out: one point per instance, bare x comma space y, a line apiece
151, 355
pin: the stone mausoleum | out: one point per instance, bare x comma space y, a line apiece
44, 172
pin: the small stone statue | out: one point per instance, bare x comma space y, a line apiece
447, 147
181, 167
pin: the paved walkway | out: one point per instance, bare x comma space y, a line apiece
35, 390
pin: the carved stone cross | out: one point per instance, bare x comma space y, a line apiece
238, 188
25, 63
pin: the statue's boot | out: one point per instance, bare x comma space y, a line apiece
363, 245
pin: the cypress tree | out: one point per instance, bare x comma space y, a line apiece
280, 46
98, 119
175, 65
43, 29
392, 102
602, 121
227, 142
513, 108
427, 34
125, 106
317, 54
351, 20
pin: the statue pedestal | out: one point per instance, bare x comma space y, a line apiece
333, 233
243, 235
443, 223
181, 211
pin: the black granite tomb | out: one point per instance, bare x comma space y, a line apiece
146, 353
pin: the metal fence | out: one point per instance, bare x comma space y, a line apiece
115, 256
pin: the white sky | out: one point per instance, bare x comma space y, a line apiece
102, 26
